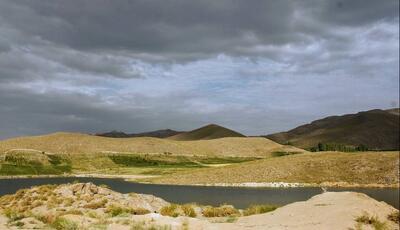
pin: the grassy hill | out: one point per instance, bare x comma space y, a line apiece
74, 143
207, 132
81, 153
376, 129
362, 168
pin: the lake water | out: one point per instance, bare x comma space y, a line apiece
239, 197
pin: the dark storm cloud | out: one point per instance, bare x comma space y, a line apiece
179, 26
255, 66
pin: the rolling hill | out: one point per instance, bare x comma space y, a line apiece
376, 129
207, 132
76, 143
163, 133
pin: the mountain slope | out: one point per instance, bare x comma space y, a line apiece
328, 167
207, 132
376, 129
163, 133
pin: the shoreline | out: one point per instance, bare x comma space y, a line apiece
133, 178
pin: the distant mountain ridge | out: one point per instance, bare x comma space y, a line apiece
376, 129
163, 133
208, 132
211, 131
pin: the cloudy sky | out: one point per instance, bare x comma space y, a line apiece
254, 66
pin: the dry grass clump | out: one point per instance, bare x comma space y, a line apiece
188, 210
176, 210
366, 219
394, 216
96, 204
142, 225
61, 223
117, 210
47, 218
170, 210
258, 209
13, 214
221, 211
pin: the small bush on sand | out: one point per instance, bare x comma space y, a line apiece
188, 210
176, 210
63, 224
13, 214
170, 210
394, 216
224, 210
371, 220
139, 211
96, 204
47, 218
258, 209
115, 210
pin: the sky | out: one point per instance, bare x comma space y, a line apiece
257, 67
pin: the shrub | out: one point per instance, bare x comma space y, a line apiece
188, 210
224, 210
282, 153
13, 214
170, 210
47, 219
139, 211
394, 216
63, 224
96, 205
176, 210
114, 210
258, 209
371, 220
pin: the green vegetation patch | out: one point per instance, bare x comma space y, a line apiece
147, 160
283, 153
33, 169
151, 161
338, 147
224, 160
64, 224
21, 164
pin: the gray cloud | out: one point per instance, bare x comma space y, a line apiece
174, 27
255, 66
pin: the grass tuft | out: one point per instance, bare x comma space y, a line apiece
371, 220
61, 223
394, 216
258, 209
222, 211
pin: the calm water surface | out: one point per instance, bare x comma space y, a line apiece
239, 197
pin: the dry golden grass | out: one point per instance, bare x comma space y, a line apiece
74, 143
222, 211
361, 168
